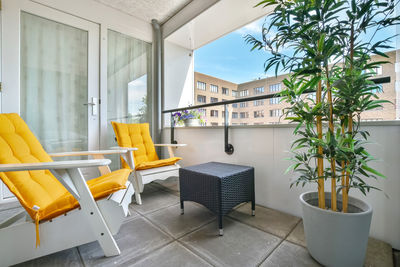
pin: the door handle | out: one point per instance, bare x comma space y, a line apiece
93, 104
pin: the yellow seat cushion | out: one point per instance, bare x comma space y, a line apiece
157, 163
138, 135
100, 187
39, 192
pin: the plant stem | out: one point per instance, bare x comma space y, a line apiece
331, 129
320, 162
344, 188
350, 125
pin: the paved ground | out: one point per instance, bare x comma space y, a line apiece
157, 235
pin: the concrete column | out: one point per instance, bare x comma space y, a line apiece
157, 95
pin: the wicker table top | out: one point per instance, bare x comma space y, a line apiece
218, 169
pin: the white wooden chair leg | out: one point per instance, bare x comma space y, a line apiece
93, 215
136, 186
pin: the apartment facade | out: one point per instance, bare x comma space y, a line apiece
209, 89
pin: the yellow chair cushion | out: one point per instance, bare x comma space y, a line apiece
100, 187
138, 135
157, 163
39, 192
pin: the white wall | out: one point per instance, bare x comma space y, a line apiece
178, 77
265, 149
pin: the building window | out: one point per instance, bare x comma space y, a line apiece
243, 124
258, 103
214, 124
234, 105
202, 111
275, 87
234, 115
244, 115
274, 100
244, 93
201, 85
234, 93
259, 114
214, 113
201, 98
213, 88
213, 99
275, 112
223, 114
224, 99
225, 91
258, 90
244, 104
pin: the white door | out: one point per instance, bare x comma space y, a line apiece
58, 95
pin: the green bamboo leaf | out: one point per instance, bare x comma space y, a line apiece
365, 167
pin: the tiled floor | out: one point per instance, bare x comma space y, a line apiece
157, 235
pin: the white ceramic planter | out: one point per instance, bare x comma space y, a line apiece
335, 238
192, 122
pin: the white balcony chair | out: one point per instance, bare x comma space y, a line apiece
145, 164
61, 207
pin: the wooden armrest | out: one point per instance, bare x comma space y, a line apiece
55, 165
124, 148
171, 145
88, 153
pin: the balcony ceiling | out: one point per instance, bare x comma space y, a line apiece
147, 10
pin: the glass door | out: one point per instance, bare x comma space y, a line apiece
128, 83
59, 94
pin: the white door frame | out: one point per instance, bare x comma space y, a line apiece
11, 58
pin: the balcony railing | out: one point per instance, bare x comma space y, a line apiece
229, 149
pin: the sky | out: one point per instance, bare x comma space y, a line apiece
229, 58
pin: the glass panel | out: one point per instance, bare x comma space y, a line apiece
54, 82
129, 82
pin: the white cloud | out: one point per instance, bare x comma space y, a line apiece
252, 28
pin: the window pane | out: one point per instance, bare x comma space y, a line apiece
54, 83
129, 81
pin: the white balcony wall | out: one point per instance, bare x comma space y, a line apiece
178, 77
266, 148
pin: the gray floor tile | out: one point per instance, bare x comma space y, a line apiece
170, 220
297, 235
133, 215
379, 254
241, 244
135, 238
69, 257
149, 188
154, 201
269, 220
171, 184
172, 255
288, 254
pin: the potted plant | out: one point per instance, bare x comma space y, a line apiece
189, 118
327, 45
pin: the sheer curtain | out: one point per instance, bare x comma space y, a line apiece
129, 81
54, 82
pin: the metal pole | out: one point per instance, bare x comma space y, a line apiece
157, 76
173, 141
228, 147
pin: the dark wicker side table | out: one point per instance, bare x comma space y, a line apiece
217, 186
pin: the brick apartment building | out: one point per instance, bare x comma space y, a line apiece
210, 89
